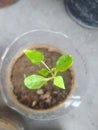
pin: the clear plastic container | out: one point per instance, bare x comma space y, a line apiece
64, 43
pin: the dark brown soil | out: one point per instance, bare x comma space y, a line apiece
49, 95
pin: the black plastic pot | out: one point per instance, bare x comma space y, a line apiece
84, 12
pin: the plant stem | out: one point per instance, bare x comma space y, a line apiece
45, 65
55, 73
47, 68
50, 78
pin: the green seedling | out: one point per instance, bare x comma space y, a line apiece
46, 74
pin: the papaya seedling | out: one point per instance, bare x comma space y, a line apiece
36, 81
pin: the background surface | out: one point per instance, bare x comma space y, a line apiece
26, 15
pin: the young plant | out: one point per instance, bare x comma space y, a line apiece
35, 81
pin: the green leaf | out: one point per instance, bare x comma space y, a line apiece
44, 72
34, 81
34, 56
64, 62
58, 81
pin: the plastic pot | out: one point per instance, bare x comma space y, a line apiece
4, 3
84, 12
49, 38
10, 120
